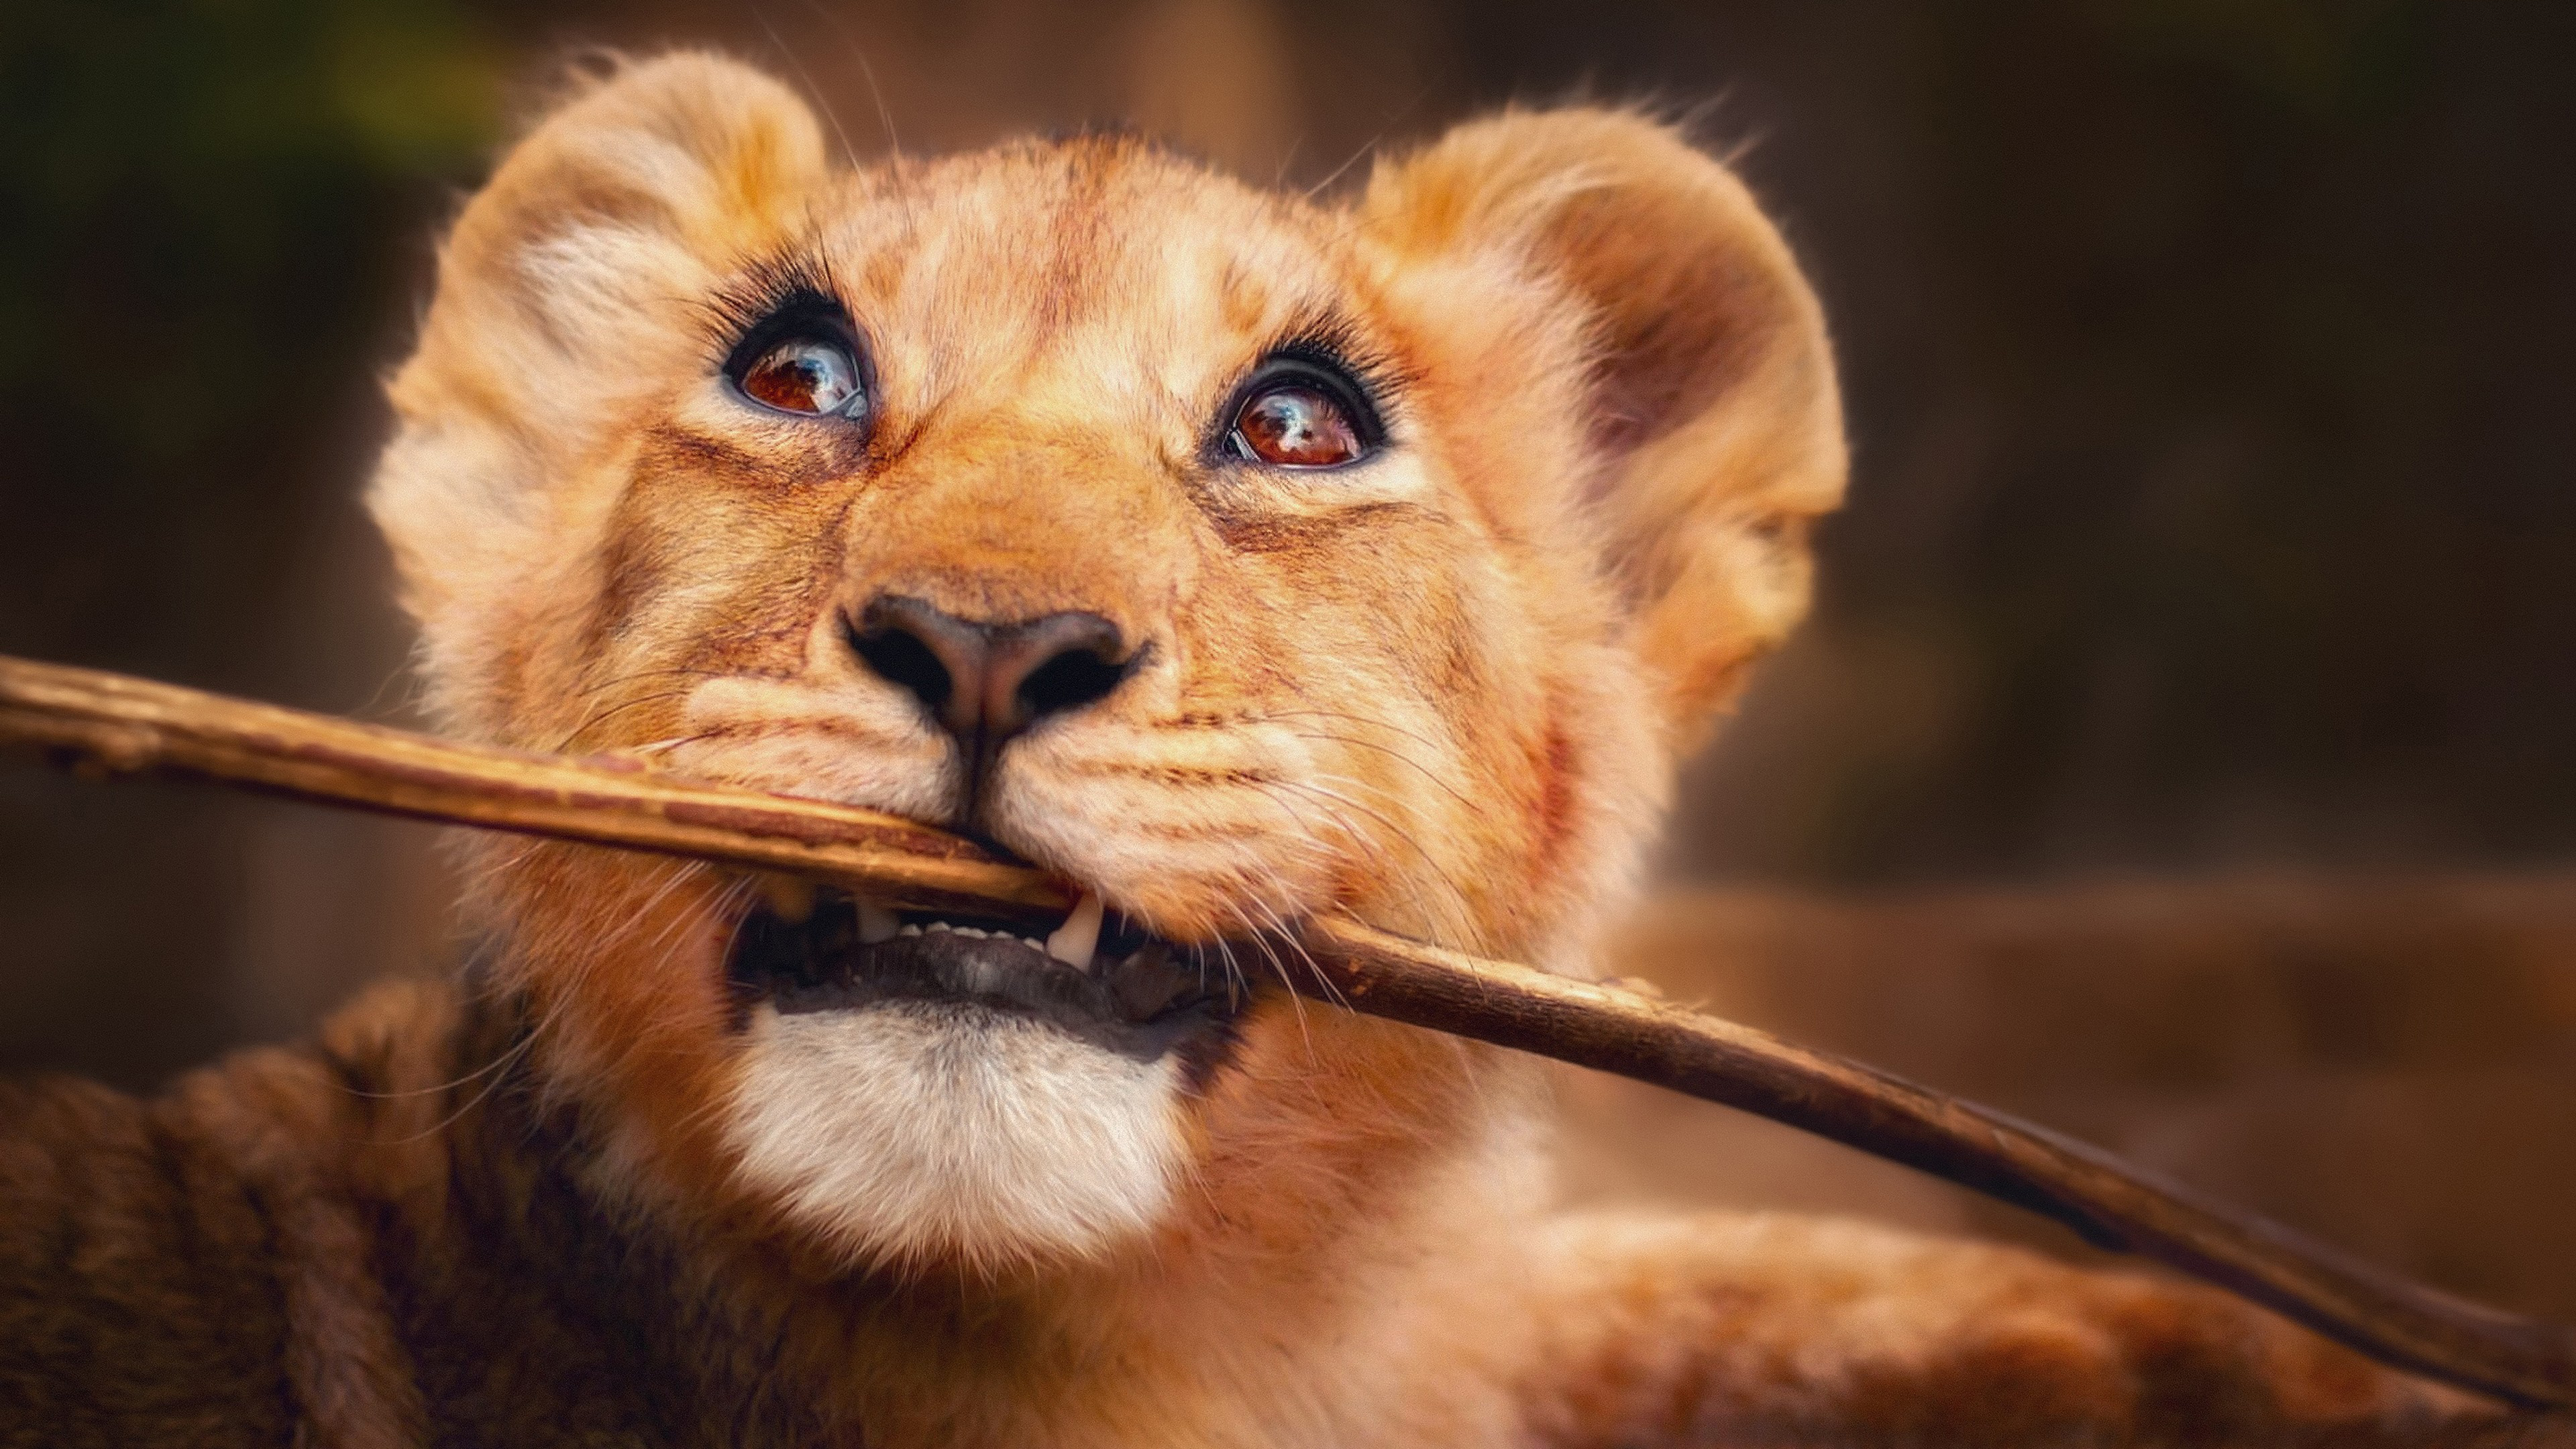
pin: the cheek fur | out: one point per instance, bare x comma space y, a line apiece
621, 960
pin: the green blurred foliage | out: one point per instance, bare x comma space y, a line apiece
207, 208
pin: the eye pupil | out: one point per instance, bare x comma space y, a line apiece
1293, 426
803, 375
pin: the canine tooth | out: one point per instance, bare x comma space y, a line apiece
1079, 936
877, 923
790, 899
909, 931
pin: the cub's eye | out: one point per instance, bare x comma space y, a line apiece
1298, 415
1295, 427
802, 373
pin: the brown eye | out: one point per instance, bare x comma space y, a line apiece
1296, 424
803, 374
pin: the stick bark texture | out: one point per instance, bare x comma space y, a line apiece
110, 724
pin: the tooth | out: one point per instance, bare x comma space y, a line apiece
939, 926
877, 923
1079, 936
970, 931
790, 900
909, 931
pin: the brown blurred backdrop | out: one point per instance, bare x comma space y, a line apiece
2174, 757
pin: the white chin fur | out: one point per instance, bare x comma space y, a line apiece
906, 1134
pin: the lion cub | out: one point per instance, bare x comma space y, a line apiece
1237, 557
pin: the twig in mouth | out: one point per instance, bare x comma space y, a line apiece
110, 724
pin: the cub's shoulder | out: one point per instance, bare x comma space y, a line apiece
160, 1256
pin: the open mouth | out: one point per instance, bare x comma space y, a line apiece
806, 948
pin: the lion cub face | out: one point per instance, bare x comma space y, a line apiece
1236, 557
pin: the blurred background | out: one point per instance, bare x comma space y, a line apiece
2176, 753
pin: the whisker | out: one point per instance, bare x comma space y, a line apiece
600, 717
587, 691
1313, 968
779, 729
680, 873
1365, 150
1438, 921
525, 1044
812, 91
1427, 772
674, 742
449, 1085
1307, 834
885, 116
1466, 903
1339, 827
1233, 968
1296, 1003
1359, 719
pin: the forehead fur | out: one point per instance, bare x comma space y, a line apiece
1100, 234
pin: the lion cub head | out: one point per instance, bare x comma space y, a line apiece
1237, 556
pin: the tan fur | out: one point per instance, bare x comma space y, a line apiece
579, 1202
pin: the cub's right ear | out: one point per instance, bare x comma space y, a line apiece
564, 289
1714, 422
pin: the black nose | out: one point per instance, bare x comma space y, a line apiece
986, 682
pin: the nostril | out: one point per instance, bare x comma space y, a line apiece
985, 682
901, 658
1052, 666
1069, 681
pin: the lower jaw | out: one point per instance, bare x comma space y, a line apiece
1130, 995
1200, 1042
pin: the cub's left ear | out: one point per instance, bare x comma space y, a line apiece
573, 283
1714, 423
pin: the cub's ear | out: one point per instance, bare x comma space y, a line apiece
1714, 422
570, 283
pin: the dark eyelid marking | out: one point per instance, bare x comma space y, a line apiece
776, 298
766, 289
1328, 337
1329, 348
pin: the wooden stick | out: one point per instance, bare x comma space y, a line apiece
112, 724
121, 725
2110, 1203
